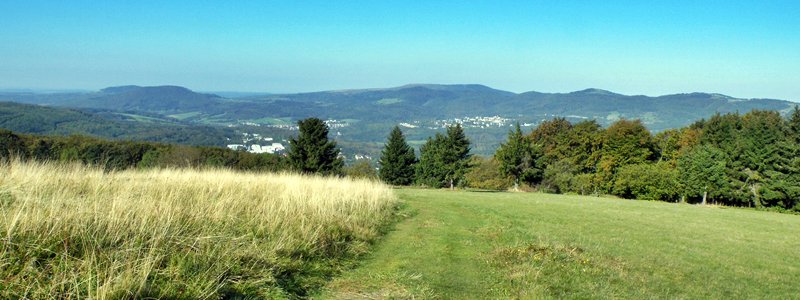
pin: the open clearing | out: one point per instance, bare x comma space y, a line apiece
467, 245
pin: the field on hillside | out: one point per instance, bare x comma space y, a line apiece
74, 232
485, 245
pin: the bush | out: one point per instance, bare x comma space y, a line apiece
485, 174
362, 169
584, 184
559, 177
647, 182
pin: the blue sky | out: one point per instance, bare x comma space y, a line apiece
739, 48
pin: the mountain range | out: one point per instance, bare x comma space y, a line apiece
366, 115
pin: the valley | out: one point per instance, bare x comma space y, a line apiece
361, 119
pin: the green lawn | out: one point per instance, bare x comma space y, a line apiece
467, 245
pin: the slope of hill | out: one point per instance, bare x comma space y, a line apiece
482, 245
152, 99
42, 120
77, 232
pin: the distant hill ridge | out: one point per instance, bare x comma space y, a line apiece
158, 91
409, 102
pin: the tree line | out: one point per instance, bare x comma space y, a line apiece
730, 159
311, 152
118, 155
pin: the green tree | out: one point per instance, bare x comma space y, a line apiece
11, 144
722, 132
518, 158
667, 145
647, 182
766, 159
312, 152
397, 160
794, 124
559, 177
624, 143
581, 145
456, 155
552, 136
430, 170
444, 159
703, 173
485, 174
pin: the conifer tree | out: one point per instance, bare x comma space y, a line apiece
456, 155
312, 152
430, 169
794, 124
518, 157
397, 160
704, 173
444, 159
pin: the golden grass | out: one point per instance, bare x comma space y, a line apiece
71, 231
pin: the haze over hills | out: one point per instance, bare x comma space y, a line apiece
364, 116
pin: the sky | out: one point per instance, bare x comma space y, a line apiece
746, 49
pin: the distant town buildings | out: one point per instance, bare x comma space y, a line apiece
254, 145
474, 122
275, 147
362, 156
237, 147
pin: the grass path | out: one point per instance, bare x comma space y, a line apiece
472, 245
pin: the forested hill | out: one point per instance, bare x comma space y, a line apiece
158, 98
409, 103
453, 101
42, 120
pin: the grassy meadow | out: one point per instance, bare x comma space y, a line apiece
486, 245
74, 232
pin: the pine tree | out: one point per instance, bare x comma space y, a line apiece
794, 124
456, 155
444, 159
518, 157
312, 152
703, 173
430, 169
397, 160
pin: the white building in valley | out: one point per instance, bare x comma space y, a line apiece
255, 148
275, 147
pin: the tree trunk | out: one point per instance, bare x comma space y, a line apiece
516, 185
683, 199
756, 197
451, 185
705, 195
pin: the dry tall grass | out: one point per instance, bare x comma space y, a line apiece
71, 231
